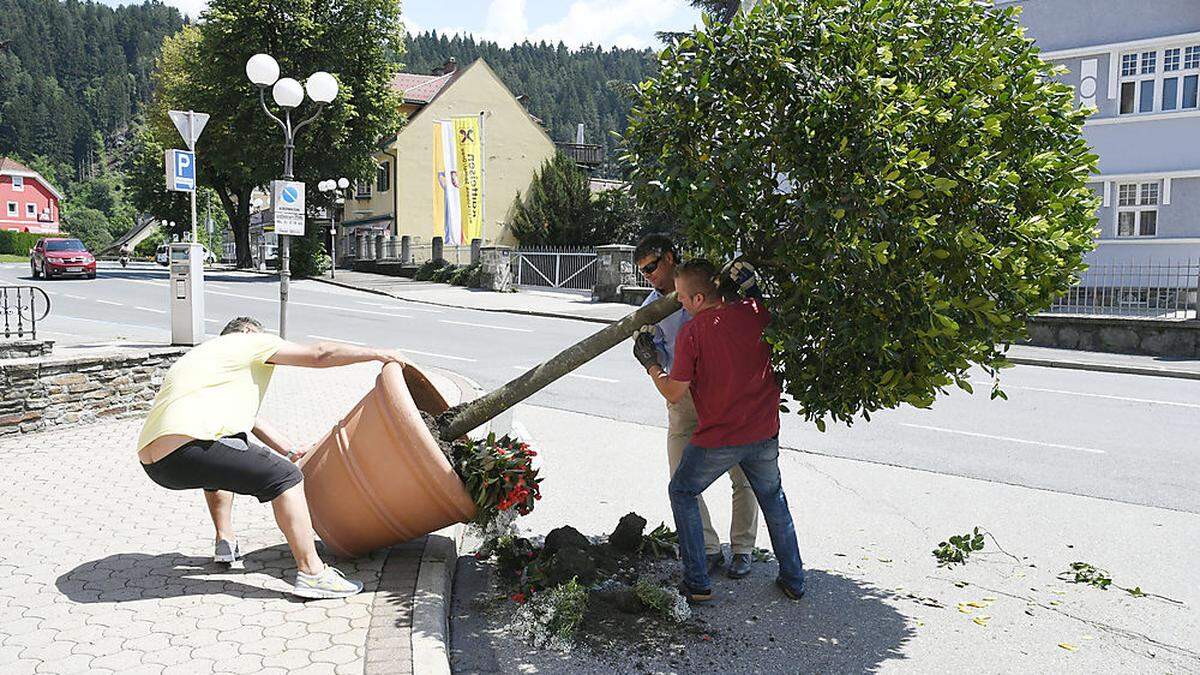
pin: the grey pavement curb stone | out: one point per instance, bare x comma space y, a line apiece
431, 603
1105, 367
520, 312
430, 634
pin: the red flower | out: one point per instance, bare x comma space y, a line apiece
518, 598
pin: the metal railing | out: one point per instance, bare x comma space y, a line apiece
19, 305
557, 267
1149, 290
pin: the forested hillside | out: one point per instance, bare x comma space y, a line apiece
565, 87
72, 74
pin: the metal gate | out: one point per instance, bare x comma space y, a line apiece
572, 269
19, 307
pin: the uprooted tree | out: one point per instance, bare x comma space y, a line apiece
906, 175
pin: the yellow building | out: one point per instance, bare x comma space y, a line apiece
400, 200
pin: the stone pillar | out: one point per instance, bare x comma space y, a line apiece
476, 245
437, 250
378, 246
360, 241
496, 274
405, 250
391, 247
614, 269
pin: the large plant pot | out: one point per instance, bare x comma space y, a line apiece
379, 478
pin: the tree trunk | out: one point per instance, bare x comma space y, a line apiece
237, 209
459, 420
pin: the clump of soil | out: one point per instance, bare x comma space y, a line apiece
435, 428
616, 621
627, 538
563, 538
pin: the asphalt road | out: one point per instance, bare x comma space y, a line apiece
1112, 436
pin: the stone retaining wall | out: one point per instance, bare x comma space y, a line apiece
1150, 337
36, 394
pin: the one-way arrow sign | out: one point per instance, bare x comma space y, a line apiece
190, 124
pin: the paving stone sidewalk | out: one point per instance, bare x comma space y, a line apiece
102, 571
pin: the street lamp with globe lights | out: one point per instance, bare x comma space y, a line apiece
335, 187
322, 88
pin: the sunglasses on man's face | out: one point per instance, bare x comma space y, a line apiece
649, 268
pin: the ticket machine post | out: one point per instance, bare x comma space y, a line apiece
187, 293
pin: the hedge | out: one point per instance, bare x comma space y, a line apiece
19, 243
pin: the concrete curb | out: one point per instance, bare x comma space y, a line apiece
494, 310
435, 580
1106, 367
431, 603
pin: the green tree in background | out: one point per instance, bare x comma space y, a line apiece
72, 72
203, 68
907, 176
557, 208
89, 225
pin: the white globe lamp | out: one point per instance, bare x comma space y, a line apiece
262, 70
321, 87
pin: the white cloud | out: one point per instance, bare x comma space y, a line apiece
190, 7
506, 22
606, 22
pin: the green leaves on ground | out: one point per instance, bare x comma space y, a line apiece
661, 542
1089, 574
958, 548
907, 176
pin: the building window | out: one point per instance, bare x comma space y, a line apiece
30, 210
1137, 209
1171, 60
1129, 65
1149, 61
362, 189
18, 183
383, 177
1146, 89
12, 209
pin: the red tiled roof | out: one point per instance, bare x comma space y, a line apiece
7, 164
420, 88
12, 166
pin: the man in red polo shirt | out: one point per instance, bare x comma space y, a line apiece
721, 358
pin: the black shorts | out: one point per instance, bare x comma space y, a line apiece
232, 463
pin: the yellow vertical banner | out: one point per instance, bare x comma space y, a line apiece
469, 144
439, 178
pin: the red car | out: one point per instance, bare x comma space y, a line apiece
53, 257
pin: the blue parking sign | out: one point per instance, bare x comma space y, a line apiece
181, 170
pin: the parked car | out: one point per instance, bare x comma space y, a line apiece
54, 256
162, 257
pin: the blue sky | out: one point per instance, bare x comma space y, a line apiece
623, 23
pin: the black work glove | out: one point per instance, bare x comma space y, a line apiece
644, 350
742, 277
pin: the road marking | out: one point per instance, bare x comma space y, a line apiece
216, 285
212, 321
151, 309
408, 308
333, 339
295, 303
150, 283
1006, 438
577, 375
110, 302
483, 325
435, 355
74, 297
1107, 396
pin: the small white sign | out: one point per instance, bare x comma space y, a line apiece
190, 124
288, 207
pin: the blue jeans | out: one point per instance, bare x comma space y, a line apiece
697, 470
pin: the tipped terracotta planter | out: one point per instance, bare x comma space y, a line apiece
379, 478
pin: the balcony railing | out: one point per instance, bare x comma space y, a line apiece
584, 154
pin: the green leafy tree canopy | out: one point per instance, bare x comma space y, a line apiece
203, 68
907, 176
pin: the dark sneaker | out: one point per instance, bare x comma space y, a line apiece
715, 561
788, 591
693, 596
226, 552
739, 566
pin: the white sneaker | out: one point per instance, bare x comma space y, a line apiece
330, 583
226, 552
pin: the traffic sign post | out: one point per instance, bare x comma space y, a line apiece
189, 124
